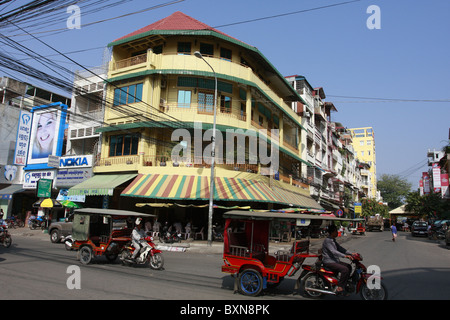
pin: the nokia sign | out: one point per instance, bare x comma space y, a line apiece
75, 161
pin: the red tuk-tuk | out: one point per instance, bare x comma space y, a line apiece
358, 226
246, 249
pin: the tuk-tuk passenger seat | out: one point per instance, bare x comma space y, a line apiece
301, 246
298, 247
238, 243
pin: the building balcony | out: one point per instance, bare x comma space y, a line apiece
189, 64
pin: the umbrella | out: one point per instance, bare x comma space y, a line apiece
70, 204
47, 203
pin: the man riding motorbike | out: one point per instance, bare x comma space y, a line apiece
3, 224
331, 252
138, 238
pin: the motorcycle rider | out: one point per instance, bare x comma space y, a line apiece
3, 224
138, 238
331, 252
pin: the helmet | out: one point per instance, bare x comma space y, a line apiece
138, 221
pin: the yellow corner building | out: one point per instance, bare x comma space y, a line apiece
156, 85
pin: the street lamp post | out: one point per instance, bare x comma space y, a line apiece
213, 153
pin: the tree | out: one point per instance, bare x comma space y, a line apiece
393, 189
371, 207
429, 205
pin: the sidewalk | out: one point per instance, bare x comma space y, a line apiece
197, 246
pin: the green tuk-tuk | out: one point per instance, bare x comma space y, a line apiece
98, 232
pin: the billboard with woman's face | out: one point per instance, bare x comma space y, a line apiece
47, 133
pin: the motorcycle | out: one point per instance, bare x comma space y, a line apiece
14, 222
39, 222
317, 281
146, 254
169, 236
5, 238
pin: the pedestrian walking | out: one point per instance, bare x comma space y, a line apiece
394, 232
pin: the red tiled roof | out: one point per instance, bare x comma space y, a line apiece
176, 21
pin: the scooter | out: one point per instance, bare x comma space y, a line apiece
39, 222
146, 254
317, 280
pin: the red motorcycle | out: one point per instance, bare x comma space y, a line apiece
5, 237
318, 281
146, 254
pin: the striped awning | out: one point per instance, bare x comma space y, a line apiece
183, 187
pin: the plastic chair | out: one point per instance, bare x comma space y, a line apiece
199, 233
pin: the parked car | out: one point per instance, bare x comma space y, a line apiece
60, 230
419, 228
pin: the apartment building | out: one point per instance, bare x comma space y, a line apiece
364, 146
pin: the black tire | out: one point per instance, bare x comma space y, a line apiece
373, 294
156, 261
315, 282
111, 257
55, 236
85, 255
250, 282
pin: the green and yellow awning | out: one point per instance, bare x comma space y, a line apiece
185, 187
100, 185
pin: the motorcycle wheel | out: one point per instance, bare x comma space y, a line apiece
373, 294
32, 226
7, 242
157, 261
314, 282
250, 282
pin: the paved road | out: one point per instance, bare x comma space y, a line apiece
412, 268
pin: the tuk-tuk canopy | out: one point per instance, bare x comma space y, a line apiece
113, 212
94, 222
272, 215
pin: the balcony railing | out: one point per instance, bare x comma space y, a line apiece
201, 109
131, 61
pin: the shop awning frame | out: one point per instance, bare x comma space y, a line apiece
6, 193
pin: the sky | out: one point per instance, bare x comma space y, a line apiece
394, 78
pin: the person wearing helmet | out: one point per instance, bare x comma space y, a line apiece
138, 238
